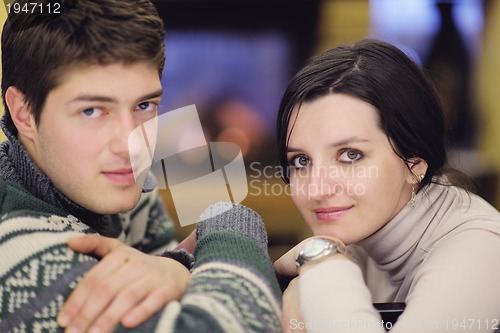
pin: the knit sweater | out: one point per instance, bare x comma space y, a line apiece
232, 288
440, 257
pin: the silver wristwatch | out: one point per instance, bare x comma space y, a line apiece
317, 248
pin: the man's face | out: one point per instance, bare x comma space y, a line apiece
81, 142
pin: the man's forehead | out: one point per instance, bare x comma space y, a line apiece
105, 82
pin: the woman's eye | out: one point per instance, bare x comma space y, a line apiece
350, 156
92, 112
300, 161
147, 106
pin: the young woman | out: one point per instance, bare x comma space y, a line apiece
361, 132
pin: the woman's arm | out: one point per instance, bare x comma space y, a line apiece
332, 295
454, 290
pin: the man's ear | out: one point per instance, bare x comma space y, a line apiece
20, 112
418, 168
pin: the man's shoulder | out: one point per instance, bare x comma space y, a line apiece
22, 213
15, 201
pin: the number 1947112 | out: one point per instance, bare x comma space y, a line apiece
472, 324
34, 8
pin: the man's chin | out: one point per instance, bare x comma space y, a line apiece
119, 204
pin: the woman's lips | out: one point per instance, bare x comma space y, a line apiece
329, 214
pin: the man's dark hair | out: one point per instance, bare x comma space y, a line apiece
38, 48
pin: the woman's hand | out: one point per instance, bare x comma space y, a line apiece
188, 243
285, 265
291, 320
126, 286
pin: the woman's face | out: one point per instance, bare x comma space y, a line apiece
345, 178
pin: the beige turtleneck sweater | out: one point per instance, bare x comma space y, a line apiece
441, 257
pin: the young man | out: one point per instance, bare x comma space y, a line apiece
75, 83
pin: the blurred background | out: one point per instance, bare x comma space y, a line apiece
233, 59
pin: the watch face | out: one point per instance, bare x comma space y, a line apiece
318, 248
315, 247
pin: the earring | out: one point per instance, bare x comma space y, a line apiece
413, 198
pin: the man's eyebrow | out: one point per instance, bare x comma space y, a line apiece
107, 99
152, 95
92, 98
344, 142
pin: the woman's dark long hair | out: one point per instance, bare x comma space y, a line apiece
380, 74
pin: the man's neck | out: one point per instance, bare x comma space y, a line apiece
17, 167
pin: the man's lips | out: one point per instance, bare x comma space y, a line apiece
119, 171
328, 214
122, 176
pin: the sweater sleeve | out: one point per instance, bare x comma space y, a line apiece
232, 289
454, 290
233, 281
334, 298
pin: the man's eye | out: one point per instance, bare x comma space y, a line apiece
300, 161
350, 156
147, 106
92, 112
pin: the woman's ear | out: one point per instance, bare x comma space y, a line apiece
418, 168
20, 112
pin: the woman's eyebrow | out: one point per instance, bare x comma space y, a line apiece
342, 142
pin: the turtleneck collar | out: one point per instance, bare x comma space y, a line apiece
400, 239
17, 167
